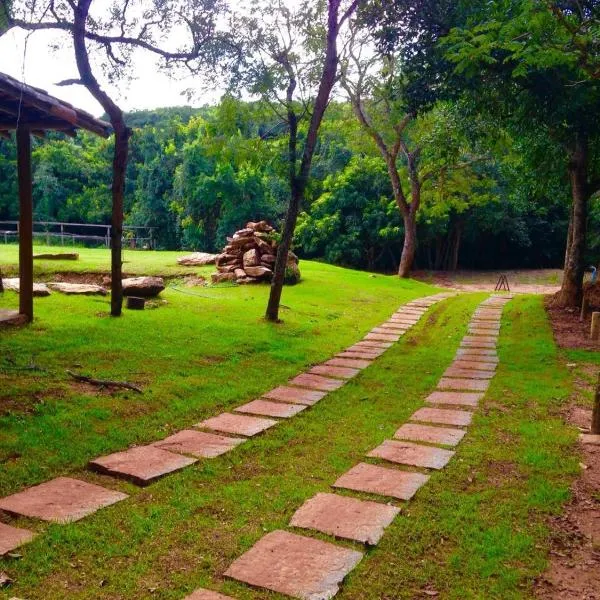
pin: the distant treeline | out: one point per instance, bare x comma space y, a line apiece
199, 174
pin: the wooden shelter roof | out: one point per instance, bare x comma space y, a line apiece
22, 104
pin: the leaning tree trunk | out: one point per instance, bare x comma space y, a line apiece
571, 291
410, 245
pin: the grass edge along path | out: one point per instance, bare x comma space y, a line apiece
305, 567
67, 499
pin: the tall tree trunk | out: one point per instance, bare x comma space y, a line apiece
120, 155
410, 245
571, 291
299, 182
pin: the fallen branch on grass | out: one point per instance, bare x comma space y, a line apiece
104, 382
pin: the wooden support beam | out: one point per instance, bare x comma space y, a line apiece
25, 222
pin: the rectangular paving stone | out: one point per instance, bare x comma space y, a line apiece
372, 352
13, 537
414, 432
452, 383
344, 517
394, 327
142, 465
404, 322
373, 344
480, 324
486, 354
373, 479
382, 337
490, 336
198, 443
317, 382
353, 363
468, 373
481, 338
341, 372
471, 343
359, 355
414, 455
271, 409
461, 398
295, 395
61, 500
488, 315
295, 565
202, 594
237, 424
443, 416
476, 365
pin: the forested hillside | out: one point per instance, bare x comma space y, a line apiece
199, 174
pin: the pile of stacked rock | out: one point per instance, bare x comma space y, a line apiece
249, 256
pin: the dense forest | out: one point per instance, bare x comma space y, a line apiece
197, 175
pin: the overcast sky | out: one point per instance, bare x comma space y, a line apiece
31, 59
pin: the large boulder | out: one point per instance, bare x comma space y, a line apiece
259, 272
591, 292
39, 289
82, 289
221, 277
197, 259
251, 259
144, 287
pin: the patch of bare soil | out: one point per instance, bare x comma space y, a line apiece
569, 332
574, 569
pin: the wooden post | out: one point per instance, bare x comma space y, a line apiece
25, 222
584, 309
596, 414
595, 331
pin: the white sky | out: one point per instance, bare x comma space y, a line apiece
36, 63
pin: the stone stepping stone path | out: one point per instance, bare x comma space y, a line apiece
414, 455
344, 517
299, 566
200, 444
13, 537
207, 595
141, 465
61, 500
373, 479
64, 499
271, 409
445, 436
237, 424
295, 565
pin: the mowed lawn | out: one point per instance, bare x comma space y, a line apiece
478, 529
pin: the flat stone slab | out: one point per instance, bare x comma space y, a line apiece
452, 383
329, 371
295, 565
487, 333
295, 395
492, 339
344, 517
432, 435
384, 331
468, 373
271, 409
473, 343
474, 365
317, 382
199, 443
142, 465
404, 321
459, 398
382, 337
357, 355
40, 290
486, 355
13, 537
202, 594
77, 289
394, 327
373, 344
415, 455
382, 481
590, 439
61, 500
354, 363
10, 318
443, 416
488, 325
237, 424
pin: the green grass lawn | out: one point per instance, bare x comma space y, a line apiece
94, 260
477, 530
